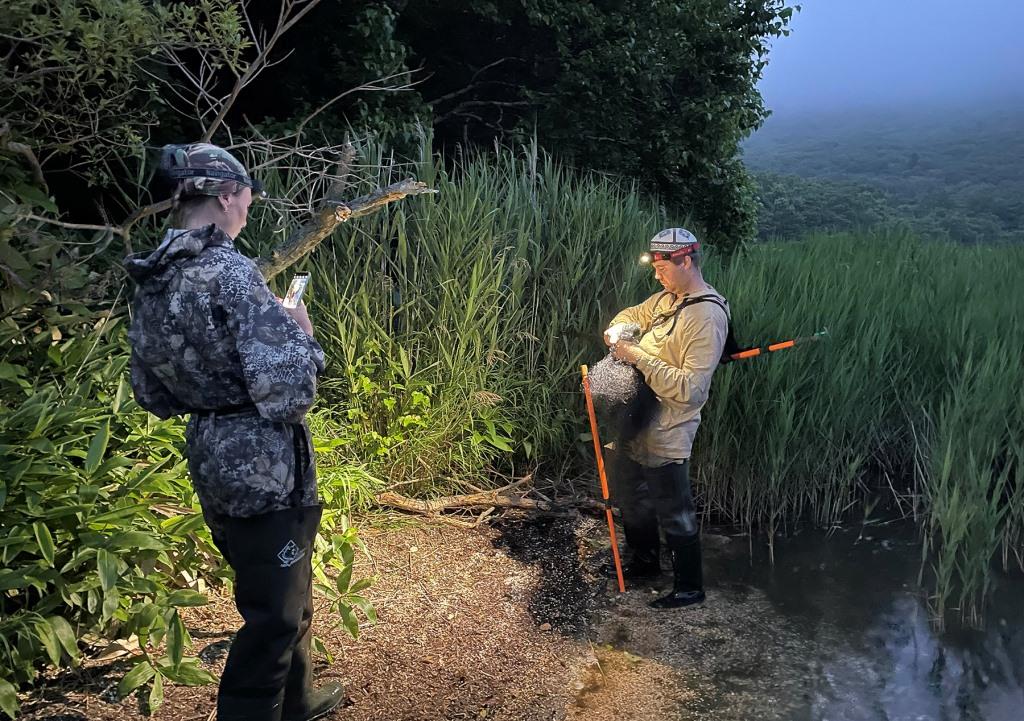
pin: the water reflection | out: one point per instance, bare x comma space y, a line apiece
872, 653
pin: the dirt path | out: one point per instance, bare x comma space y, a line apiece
514, 621
473, 624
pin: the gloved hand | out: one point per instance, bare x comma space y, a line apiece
622, 331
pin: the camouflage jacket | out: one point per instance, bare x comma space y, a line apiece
207, 334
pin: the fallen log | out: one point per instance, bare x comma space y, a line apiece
487, 499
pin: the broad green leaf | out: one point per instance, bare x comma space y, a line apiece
8, 698
320, 647
365, 606
45, 540
136, 539
348, 618
135, 678
344, 578
66, 635
106, 563
156, 693
46, 636
118, 513
500, 443
111, 602
97, 448
188, 672
177, 636
11, 372
361, 585
186, 597
123, 392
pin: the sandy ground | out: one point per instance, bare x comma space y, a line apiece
514, 620
489, 623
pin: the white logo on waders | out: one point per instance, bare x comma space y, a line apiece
290, 554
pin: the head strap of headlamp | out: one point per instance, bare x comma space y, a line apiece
182, 173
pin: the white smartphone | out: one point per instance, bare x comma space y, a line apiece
295, 290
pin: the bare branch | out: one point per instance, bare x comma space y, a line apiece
374, 85
328, 218
69, 226
25, 152
473, 81
284, 23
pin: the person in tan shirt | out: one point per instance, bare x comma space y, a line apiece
684, 329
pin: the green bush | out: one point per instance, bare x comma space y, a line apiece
102, 538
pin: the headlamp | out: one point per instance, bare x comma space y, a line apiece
654, 255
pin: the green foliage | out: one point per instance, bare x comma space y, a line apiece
790, 207
107, 60
342, 592
953, 175
102, 537
662, 92
456, 324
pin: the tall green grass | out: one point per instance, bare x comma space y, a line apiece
916, 394
456, 325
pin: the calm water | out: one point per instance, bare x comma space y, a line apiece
859, 645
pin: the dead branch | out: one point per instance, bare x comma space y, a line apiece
13, 277
490, 499
287, 18
328, 218
372, 86
25, 152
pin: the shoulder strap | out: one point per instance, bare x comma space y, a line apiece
731, 346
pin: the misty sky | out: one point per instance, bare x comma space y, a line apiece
855, 53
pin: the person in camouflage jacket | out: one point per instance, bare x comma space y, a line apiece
209, 339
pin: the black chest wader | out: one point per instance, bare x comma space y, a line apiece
268, 673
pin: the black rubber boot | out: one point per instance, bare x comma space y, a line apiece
302, 702
271, 557
644, 563
646, 546
688, 580
316, 703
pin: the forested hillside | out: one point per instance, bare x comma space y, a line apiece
953, 173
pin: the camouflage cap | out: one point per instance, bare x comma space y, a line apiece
205, 169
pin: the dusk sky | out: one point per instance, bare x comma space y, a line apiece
857, 53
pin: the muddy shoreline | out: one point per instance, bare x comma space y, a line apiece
518, 620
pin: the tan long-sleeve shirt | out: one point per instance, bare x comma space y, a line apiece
681, 352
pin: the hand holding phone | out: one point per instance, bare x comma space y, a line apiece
295, 290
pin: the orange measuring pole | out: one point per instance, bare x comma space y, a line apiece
603, 477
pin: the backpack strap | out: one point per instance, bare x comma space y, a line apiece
731, 346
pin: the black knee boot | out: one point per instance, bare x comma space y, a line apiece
688, 580
302, 702
646, 547
271, 557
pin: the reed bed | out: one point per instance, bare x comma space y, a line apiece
456, 325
